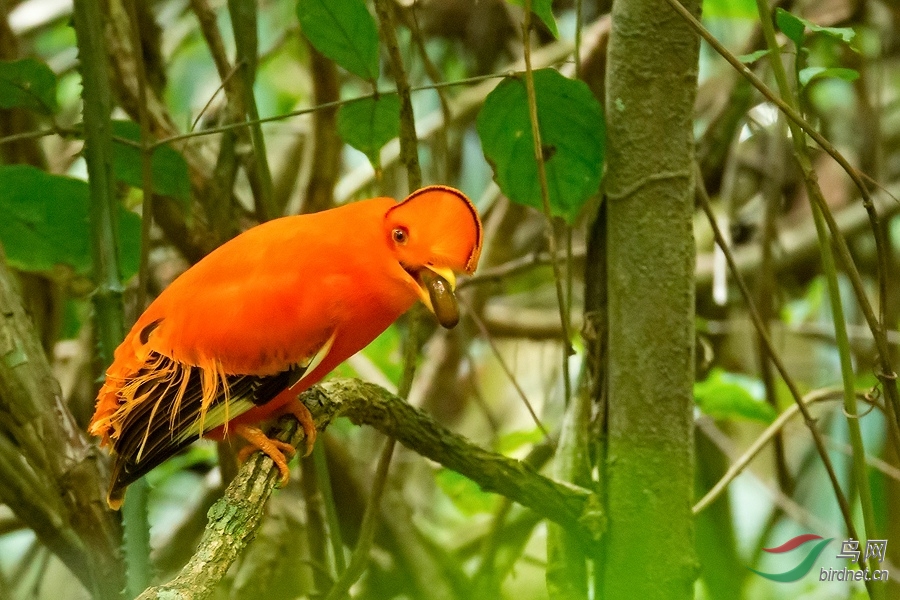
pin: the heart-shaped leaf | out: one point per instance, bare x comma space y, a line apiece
573, 136
344, 31
370, 123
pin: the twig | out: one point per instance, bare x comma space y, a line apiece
879, 464
579, 22
331, 517
114, 17
240, 102
410, 157
185, 227
360, 558
209, 102
887, 375
773, 156
771, 96
776, 359
797, 244
567, 567
33, 135
134, 513
311, 109
463, 108
738, 466
780, 500
146, 170
513, 267
435, 75
512, 378
545, 199
243, 15
68, 132
819, 206
322, 157
109, 314
408, 138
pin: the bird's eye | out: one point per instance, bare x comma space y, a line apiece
400, 235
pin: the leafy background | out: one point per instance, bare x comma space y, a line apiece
475, 134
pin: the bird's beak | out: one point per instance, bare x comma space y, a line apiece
436, 285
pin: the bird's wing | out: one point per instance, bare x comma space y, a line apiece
241, 311
169, 405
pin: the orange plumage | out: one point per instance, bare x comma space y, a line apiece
239, 335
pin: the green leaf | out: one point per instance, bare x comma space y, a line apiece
468, 497
794, 27
512, 441
544, 10
46, 222
812, 73
572, 133
729, 396
45, 219
27, 83
344, 31
752, 57
168, 169
791, 25
370, 123
729, 9
844, 34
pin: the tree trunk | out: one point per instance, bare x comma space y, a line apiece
651, 85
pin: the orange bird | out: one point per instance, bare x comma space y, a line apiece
236, 338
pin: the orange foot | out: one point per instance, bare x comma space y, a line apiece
274, 449
304, 417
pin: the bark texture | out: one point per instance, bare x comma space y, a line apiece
650, 91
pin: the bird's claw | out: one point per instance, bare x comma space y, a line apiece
277, 450
305, 418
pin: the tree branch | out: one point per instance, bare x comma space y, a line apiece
235, 518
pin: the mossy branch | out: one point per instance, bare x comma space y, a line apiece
234, 519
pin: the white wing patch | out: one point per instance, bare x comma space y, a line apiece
316, 359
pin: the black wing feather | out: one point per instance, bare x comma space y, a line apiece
146, 438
